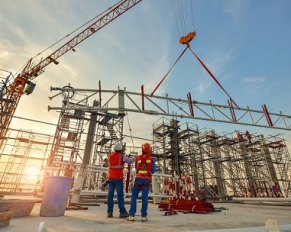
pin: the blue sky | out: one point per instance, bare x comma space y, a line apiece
245, 44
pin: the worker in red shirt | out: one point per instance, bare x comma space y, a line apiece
116, 163
239, 136
248, 136
277, 190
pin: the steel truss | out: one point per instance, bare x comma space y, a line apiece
123, 101
221, 165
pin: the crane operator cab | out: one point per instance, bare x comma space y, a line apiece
29, 87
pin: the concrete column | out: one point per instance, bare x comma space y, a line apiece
87, 157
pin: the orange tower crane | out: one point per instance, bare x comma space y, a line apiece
23, 84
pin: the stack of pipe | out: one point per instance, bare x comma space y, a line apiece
191, 206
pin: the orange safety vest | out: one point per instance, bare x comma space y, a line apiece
116, 165
144, 166
239, 136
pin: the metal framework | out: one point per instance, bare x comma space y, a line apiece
66, 145
189, 157
22, 84
24, 155
222, 165
123, 101
109, 130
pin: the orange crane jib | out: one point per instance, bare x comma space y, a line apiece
187, 38
22, 84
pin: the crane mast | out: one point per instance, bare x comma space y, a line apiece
22, 83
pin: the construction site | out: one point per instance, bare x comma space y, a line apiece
193, 163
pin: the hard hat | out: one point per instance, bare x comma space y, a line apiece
118, 146
146, 148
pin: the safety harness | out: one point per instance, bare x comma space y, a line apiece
144, 169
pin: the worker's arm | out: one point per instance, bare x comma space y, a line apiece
127, 159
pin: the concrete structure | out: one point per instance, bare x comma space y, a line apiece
232, 217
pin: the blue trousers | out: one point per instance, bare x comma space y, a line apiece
118, 185
144, 196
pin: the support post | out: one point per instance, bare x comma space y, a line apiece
87, 157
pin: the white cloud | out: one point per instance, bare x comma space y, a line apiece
237, 9
255, 80
203, 86
135, 49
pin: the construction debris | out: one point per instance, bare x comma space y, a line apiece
171, 212
75, 206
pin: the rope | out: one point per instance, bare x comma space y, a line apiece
130, 131
213, 77
168, 72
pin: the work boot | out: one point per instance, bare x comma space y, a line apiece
144, 219
130, 218
123, 215
109, 215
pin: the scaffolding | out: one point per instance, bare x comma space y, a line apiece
190, 160
109, 131
221, 164
26, 156
66, 145
177, 150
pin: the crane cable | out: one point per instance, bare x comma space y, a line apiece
175, 18
192, 13
182, 16
181, 12
77, 29
186, 40
183, 39
69, 34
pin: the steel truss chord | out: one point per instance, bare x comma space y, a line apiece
122, 101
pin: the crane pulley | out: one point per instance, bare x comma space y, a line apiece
187, 38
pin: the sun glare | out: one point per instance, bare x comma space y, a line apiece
32, 174
32, 171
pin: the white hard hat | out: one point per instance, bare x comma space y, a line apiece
118, 146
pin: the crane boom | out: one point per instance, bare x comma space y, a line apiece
30, 73
22, 83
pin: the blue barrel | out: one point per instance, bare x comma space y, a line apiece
55, 196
